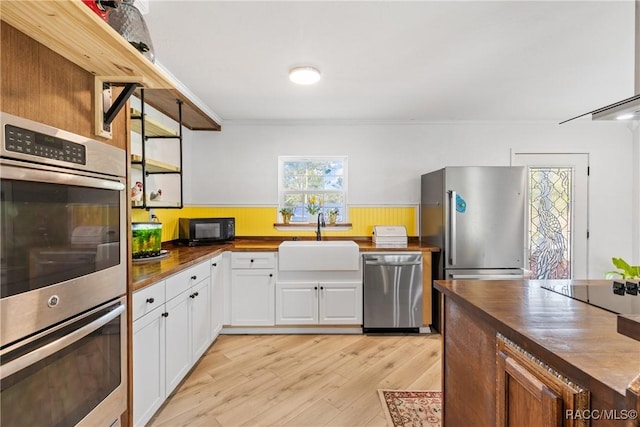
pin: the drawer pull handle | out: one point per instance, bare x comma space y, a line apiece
251, 260
150, 300
194, 277
165, 314
214, 264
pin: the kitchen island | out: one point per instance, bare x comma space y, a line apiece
517, 354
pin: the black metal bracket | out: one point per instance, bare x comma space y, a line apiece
120, 101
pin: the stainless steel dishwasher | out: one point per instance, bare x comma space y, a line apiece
392, 292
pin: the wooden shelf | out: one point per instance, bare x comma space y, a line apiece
151, 127
156, 204
306, 226
162, 204
74, 31
153, 166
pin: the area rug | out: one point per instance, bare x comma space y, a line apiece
412, 408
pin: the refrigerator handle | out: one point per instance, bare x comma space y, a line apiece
452, 227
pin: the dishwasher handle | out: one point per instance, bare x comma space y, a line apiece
393, 264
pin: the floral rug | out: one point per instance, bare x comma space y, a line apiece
412, 408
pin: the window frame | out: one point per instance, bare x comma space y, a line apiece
344, 212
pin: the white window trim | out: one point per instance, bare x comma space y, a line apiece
345, 162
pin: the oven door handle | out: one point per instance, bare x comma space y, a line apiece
24, 174
47, 350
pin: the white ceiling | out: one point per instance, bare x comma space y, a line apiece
399, 61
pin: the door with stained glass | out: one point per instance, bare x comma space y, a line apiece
557, 214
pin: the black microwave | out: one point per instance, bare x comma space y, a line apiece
206, 231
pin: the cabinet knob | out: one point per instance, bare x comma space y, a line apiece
194, 277
215, 264
196, 294
315, 288
150, 300
321, 288
192, 296
270, 274
165, 314
251, 260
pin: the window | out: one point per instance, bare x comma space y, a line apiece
311, 185
557, 214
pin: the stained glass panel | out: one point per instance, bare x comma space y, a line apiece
550, 227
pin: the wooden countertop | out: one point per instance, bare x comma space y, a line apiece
181, 257
574, 337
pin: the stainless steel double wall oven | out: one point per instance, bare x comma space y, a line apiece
63, 277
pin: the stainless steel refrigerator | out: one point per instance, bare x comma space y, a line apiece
476, 216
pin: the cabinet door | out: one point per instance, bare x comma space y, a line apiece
531, 393
527, 401
252, 297
341, 303
297, 303
148, 365
178, 340
217, 296
200, 319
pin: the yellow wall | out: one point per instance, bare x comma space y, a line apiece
258, 221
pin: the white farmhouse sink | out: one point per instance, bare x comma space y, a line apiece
324, 255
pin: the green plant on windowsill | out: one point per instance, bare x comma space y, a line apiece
624, 270
286, 213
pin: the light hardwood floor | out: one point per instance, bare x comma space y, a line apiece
301, 380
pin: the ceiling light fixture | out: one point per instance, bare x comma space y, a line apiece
306, 75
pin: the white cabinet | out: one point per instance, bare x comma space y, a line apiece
171, 331
178, 350
218, 275
253, 288
200, 318
340, 303
326, 303
297, 303
148, 352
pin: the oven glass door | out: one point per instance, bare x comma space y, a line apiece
56, 227
60, 378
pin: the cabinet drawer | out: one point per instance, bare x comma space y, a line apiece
147, 299
253, 260
188, 277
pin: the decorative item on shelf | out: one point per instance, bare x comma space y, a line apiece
100, 7
333, 215
286, 213
313, 207
156, 196
136, 192
127, 20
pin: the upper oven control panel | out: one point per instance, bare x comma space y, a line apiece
25, 140
38, 144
